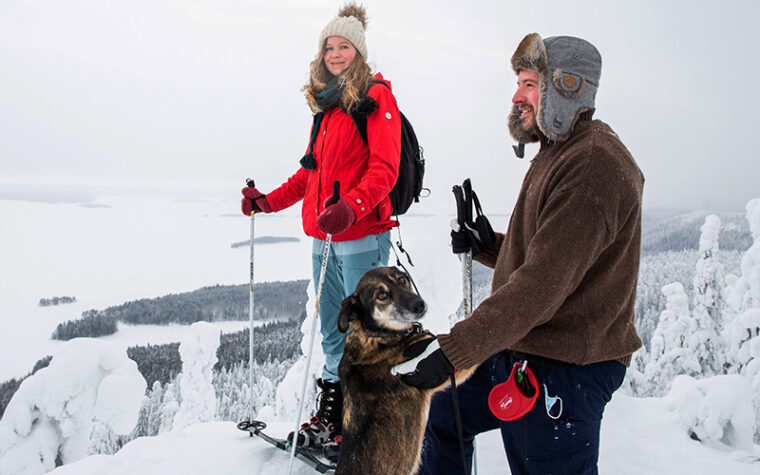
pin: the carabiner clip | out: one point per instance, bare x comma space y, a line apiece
523, 382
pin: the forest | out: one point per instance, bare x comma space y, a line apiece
663, 231
56, 301
275, 301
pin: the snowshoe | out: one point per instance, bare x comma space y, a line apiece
315, 458
327, 423
332, 449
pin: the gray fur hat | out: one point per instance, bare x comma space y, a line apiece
350, 24
569, 69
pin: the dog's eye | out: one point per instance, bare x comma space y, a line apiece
403, 280
382, 295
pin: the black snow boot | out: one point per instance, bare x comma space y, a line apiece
325, 427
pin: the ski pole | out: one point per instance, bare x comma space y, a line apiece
463, 198
460, 195
250, 184
467, 289
467, 261
320, 285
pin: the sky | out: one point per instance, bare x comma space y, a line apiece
190, 98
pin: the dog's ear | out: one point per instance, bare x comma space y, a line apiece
349, 310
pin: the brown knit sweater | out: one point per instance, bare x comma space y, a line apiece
565, 273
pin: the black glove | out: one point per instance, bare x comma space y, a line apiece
470, 234
475, 237
428, 367
463, 241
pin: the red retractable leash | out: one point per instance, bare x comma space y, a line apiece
516, 396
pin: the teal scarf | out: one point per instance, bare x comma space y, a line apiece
325, 100
331, 95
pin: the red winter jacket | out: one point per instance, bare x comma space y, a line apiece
366, 171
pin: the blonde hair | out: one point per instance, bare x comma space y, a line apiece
354, 81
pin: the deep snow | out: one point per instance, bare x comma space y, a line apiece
639, 436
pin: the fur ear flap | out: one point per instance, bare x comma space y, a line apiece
530, 55
349, 310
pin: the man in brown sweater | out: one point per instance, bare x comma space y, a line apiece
564, 282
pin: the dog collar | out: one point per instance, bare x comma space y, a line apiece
416, 328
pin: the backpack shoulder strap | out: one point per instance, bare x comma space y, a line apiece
379, 81
367, 106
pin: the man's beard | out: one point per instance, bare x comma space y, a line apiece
516, 128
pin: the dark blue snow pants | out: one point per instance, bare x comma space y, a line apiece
535, 444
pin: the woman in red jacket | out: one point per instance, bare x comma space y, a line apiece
341, 85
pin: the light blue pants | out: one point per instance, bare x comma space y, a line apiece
347, 263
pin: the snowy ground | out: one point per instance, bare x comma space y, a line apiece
639, 436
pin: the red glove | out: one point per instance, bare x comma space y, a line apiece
337, 217
254, 201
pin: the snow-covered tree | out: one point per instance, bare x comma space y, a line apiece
705, 340
151, 411
655, 272
742, 312
715, 410
198, 354
169, 405
233, 392
103, 440
744, 292
51, 416
743, 297
669, 355
635, 383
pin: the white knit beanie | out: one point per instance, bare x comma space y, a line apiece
350, 24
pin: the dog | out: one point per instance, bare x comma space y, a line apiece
383, 418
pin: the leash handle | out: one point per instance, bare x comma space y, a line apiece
458, 418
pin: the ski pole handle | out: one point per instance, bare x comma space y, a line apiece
459, 198
336, 192
251, 184
468, 193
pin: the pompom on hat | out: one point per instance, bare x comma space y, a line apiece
350, 23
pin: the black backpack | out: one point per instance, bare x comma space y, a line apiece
411, 169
